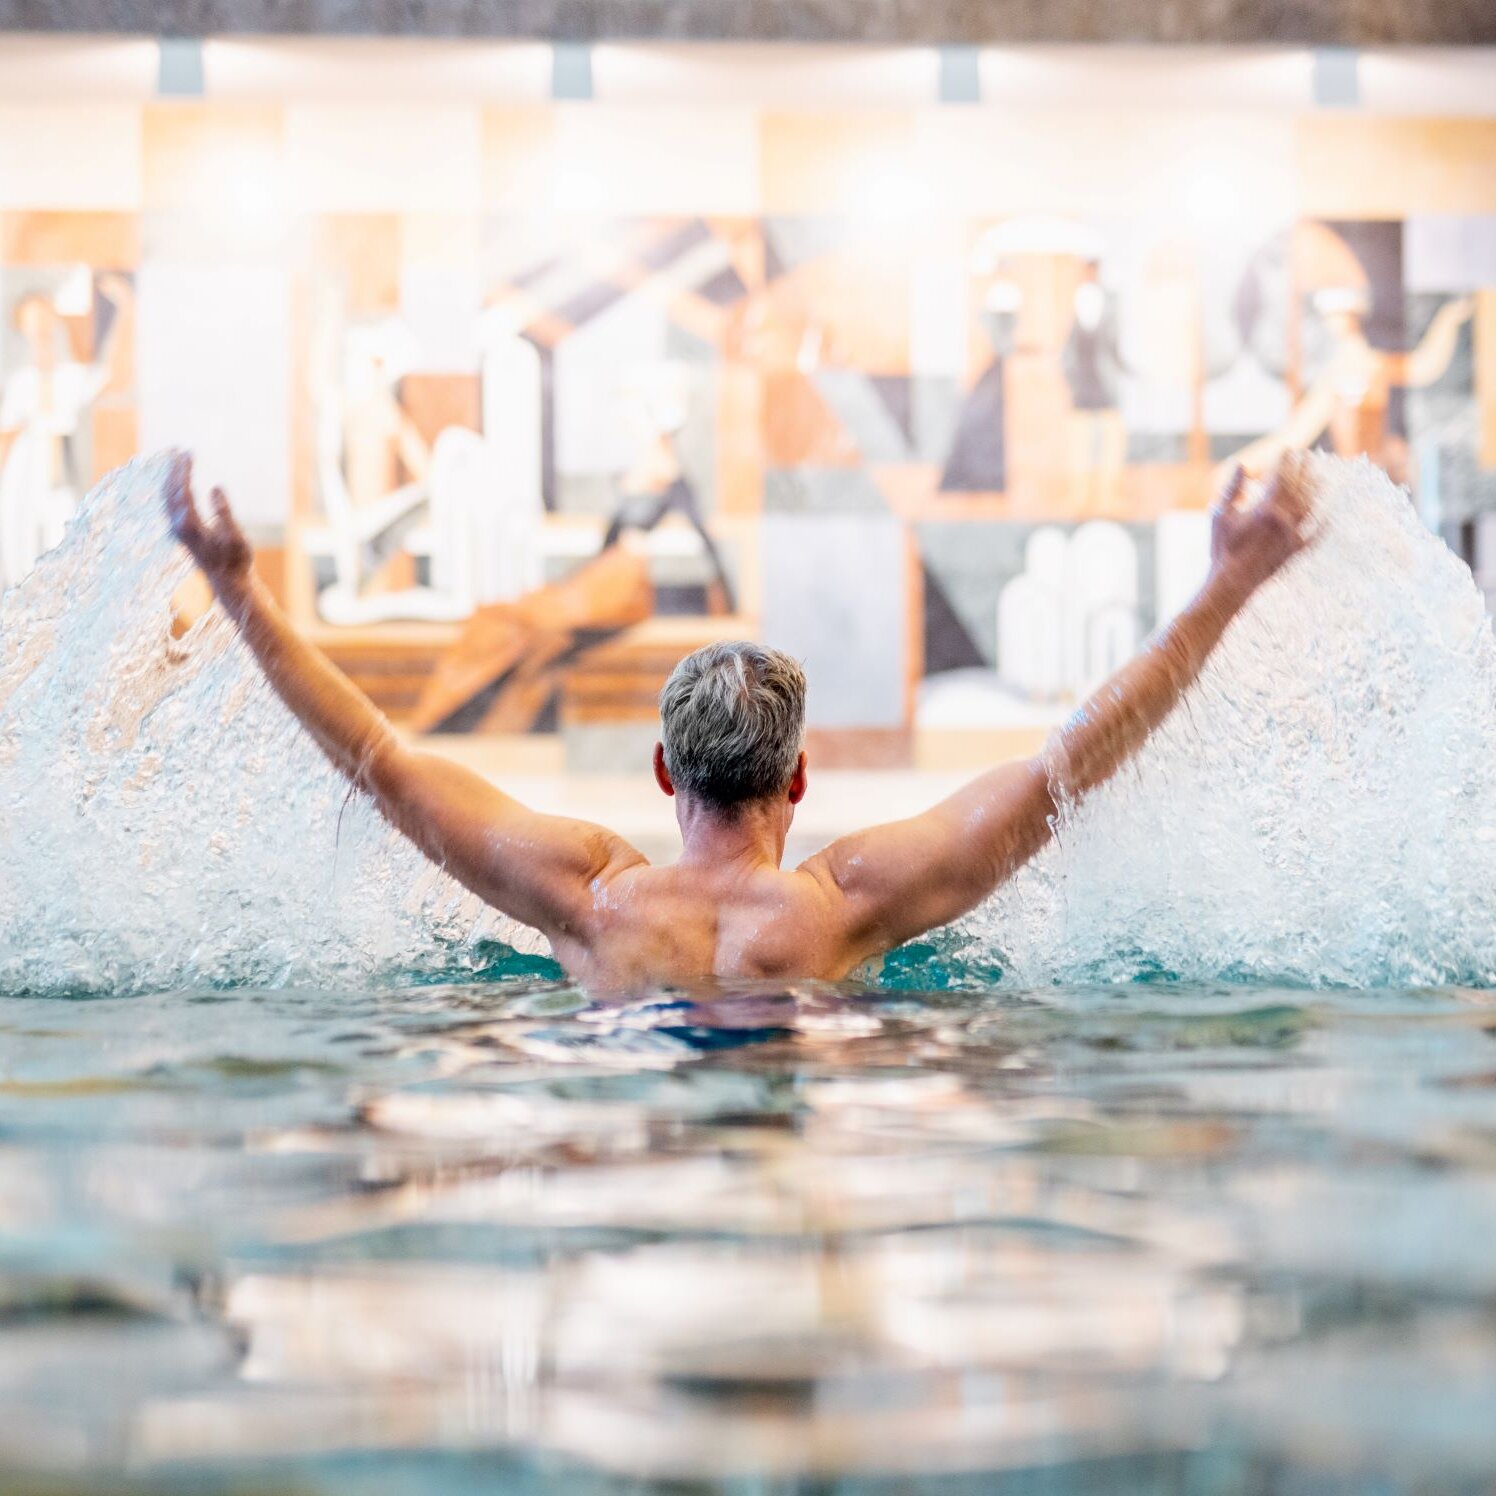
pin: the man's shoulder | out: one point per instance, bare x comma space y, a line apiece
814, 895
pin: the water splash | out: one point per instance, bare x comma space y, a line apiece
1320, 811
163, 820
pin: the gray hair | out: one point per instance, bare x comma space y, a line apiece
733, 719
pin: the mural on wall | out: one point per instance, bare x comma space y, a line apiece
959, 463
1133, 392
1045, 430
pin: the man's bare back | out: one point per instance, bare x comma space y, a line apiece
726, 908
688, 924
730, 911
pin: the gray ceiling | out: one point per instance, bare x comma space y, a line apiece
1292, 22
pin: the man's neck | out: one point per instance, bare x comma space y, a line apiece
748, 837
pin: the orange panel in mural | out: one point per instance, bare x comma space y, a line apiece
98, 240
798, 428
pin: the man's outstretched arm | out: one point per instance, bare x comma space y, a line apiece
904, 878
537, 868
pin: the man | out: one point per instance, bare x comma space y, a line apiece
731, 755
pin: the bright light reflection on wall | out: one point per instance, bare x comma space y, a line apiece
38, 68
1435, 80
784, 77
332, 69
1147, 77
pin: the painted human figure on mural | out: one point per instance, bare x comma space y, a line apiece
379, 437
1096, 441
43, 405
366, 446
656, 484
469, 504
484, 539
1347, 405
1043, 417
977, 459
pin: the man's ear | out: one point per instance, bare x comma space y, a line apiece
662, 774
800, 779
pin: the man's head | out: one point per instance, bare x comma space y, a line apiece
733, 719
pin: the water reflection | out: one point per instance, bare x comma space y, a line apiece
433, 1238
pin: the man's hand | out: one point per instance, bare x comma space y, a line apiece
897, 881
1250, 542
220, 548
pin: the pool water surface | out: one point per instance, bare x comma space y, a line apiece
498, 1236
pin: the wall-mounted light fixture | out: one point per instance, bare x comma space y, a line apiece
179, 70
571, 70
1337, 78
960, 75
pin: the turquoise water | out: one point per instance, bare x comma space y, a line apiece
497, 1236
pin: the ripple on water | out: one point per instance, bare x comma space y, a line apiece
374, 1239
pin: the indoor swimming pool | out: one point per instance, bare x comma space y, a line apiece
533, 534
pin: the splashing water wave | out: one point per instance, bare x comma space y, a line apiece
165, 820
1322, 809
